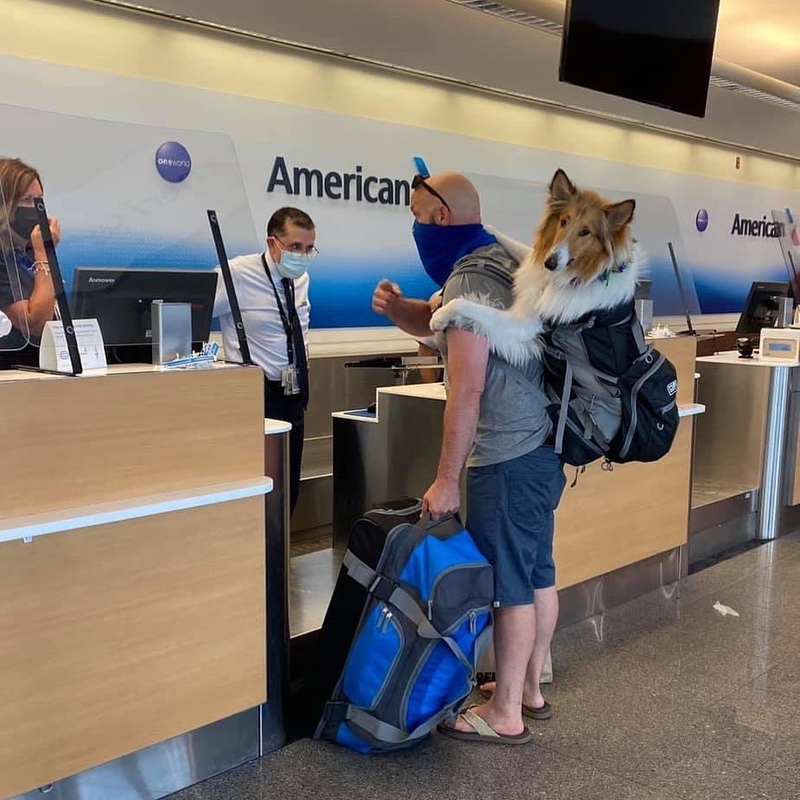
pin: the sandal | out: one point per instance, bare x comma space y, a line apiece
542, 713
482, 731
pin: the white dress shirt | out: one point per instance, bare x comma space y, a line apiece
266, 336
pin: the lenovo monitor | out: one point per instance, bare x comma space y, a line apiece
120, 299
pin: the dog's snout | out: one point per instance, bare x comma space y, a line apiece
552, 262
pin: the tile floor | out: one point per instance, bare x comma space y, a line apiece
661, 699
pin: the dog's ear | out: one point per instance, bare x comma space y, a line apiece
561, 187
620, 214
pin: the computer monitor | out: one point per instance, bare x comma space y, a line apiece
761, 309
120, 300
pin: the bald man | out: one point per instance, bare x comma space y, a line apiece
495, 422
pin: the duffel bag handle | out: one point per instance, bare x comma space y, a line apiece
444, 525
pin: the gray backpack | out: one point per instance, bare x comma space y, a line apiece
614, 396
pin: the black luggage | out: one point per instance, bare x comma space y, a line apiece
324, 667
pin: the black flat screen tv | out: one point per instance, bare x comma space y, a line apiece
658, 53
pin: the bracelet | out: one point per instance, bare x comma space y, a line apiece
41, 266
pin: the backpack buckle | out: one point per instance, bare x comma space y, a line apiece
336, 711
382, 588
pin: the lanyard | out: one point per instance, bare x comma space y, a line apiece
287, 325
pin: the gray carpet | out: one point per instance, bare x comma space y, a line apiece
661, 699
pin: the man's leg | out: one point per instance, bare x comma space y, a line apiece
514, 628
547, 672
551, 486
546, 618
514, 634
490, 520
296, 438
288, 408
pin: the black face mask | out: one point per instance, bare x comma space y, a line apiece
24, 221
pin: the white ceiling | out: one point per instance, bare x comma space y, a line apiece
449, 39
762, 35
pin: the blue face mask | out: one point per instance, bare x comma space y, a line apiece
292, 265
439, 247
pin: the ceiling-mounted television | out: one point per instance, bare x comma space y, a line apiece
655, 52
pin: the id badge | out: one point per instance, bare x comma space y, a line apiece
290, 380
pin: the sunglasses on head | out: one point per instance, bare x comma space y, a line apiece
420, 181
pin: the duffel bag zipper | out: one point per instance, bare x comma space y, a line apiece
385, 619
444, 574
473, 612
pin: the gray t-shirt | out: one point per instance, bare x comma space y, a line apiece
512, 419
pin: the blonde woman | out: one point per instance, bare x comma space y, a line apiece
26, 288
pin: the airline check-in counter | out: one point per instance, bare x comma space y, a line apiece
617, 532
746, 483
138, 581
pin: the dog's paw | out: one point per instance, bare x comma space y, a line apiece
535, 349
448, 315
518, 354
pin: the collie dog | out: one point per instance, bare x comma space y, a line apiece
583, 259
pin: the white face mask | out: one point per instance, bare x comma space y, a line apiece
292, 265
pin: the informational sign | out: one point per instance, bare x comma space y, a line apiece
53, 353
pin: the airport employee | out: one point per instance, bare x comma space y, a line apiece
27, 298
272, 290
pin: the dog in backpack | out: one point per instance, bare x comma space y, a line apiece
584, 259
612, 395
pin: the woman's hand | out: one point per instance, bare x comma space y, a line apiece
38, 243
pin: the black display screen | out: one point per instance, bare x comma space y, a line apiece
656, 52
121, 299
761, 309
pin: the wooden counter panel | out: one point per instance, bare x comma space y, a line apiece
611, 520
87, 440
681, 351
117, 637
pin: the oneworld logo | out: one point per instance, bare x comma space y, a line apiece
173, 162
701, 220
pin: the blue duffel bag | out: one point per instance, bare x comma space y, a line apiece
413, 659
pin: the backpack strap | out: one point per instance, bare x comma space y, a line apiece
408, 606
564, 409
358, 570
337, 711
389, 592
569, 373
638, 335
383, 731
484, 265
627, 316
